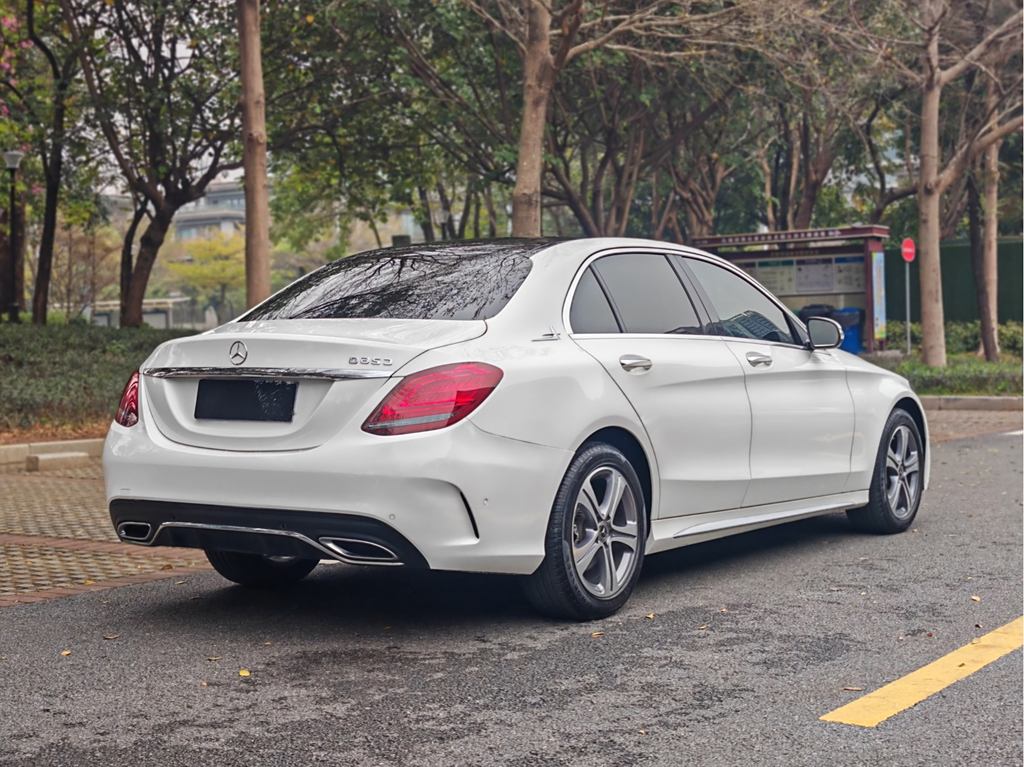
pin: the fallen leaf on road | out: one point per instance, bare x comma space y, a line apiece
643, 732
977, 625
203, 684
854, 689
167, 567
244, 672
88, 582
65, 653
214, 657
178, 583
111, 636
596, 634
650, 616
702, 627
724, 610
975, 598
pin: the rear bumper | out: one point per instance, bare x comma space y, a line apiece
271, 532
454, 499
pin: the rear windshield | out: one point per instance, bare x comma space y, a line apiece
450, 281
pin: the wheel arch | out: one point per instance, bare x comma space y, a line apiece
625, 441
913, 407
916, 411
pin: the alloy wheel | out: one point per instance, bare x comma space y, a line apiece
605, 530
902, 472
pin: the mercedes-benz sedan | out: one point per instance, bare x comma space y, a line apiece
553, 409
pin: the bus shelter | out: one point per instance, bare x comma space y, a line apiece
838, 272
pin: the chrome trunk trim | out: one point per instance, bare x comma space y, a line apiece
285, 374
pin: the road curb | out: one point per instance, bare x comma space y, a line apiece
19, 453
944, 402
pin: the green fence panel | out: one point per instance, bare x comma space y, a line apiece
958, 290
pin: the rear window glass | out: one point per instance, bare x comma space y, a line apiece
449, 281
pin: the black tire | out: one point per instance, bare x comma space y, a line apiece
556, 589
879, 516
257, 571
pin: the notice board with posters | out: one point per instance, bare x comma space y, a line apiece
841, 267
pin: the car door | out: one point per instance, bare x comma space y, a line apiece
801, 407
631, 312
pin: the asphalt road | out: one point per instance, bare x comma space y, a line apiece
727, 654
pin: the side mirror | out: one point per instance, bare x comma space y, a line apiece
824, 332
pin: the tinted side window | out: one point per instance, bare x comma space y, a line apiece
590, 311
743, 310
647, 294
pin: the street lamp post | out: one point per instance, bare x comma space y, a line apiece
13, 159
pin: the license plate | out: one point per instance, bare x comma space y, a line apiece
245, 400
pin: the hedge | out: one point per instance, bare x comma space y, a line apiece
960, 336
68, 374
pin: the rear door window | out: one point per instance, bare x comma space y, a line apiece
647, 295
590, 311
462, 281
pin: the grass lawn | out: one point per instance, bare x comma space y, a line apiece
64, 381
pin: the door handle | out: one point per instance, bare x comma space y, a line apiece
633, 363
757, 359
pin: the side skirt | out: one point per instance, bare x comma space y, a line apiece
674, 532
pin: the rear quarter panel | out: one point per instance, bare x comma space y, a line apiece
552, 393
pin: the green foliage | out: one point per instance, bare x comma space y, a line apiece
961, 337
213, 267
68, 374
964, 374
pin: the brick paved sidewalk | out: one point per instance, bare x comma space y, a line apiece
56, 538
945, 425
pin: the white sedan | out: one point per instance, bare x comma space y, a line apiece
553, 409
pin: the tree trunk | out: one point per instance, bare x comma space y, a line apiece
538, 79
257, 207
427, 222
933, 337
988, 310
977, 248
47, 238
149, 246
127, 247
814, 179
492, 213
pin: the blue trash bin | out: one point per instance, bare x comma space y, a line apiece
851, 319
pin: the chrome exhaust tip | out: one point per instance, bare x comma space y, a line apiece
137, 532
359, 552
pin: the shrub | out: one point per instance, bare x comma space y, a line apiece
68, 374
965, 373
960, 336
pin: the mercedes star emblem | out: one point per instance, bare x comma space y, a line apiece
238, 353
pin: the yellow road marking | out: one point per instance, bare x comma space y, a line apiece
875, 707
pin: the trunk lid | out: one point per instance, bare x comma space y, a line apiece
337, 366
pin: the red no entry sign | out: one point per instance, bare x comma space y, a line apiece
908, 250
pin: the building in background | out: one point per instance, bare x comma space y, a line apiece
221, 209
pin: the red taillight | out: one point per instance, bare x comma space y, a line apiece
433, 399
128, 408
